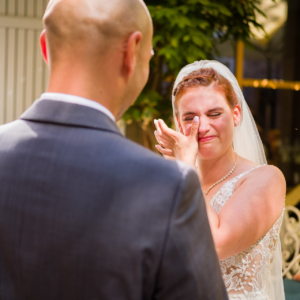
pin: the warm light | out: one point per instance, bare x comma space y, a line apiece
271, 84
277, 16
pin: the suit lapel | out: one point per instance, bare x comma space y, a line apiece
58, 112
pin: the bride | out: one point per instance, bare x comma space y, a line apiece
245, 198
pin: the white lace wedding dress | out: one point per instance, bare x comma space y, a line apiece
246, 273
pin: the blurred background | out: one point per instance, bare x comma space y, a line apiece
259, 40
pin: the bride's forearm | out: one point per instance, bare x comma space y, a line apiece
214, 223
213, 219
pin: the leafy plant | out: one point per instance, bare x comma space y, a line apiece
186, 31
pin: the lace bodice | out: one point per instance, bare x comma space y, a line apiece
246, 273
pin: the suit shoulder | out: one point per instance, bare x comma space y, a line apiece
8, 126
141, 158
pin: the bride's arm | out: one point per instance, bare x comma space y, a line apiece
250, 212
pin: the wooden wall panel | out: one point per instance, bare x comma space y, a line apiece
11, 9
20, 76
21, 8
11, 67
2, 7
23, 73
30, 8
39, 9
2, 73
38, 68
29, 78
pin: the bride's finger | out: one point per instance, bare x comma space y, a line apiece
166, 131
157, 126
163, 142
164, 134
163, 151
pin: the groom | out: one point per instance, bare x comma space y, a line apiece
84, 212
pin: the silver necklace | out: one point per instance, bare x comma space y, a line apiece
231, 171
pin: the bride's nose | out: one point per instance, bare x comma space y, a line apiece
204, 126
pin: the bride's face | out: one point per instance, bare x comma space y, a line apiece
217, 120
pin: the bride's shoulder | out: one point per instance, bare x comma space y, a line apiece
268, 173
264, 176
268, 182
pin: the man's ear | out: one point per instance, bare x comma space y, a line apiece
132, 49
44, 45
179, 124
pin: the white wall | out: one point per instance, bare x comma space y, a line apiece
23, 73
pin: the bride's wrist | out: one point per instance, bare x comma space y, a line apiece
188, 161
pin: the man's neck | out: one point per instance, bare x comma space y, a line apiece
85, 89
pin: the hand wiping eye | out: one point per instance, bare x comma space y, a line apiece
175, 144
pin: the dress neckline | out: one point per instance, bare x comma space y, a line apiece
238, 176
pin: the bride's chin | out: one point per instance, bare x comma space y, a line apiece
206, 153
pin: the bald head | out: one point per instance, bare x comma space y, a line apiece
98, 49
95, 25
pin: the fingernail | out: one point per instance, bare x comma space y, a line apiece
155, 121
196, 119
155, 132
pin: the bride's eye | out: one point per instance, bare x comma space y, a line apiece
215, 115
188, 119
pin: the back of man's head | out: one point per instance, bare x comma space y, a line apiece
90, 33
97, 23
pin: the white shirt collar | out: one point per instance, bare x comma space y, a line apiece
78, 100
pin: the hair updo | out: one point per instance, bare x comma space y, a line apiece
206, 77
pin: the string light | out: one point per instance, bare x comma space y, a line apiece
271, 84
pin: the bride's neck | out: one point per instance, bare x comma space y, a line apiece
212, 170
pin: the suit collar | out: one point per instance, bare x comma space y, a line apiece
57, 112
78, 100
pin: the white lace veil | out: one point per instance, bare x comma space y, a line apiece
246, 143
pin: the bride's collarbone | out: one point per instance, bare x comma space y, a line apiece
238, 172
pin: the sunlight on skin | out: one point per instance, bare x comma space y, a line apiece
99, 50
253, 210
216, 120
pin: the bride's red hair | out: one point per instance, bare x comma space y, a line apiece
207, 77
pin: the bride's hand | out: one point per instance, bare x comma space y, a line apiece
175, 144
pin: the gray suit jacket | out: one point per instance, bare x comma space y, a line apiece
87, 214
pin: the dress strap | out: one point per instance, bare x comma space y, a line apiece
247, 172
231, 183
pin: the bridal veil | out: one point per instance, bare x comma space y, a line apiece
246, 143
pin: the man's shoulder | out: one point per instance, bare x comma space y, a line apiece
118, 150
137, 156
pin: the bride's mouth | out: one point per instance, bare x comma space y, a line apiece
206, 139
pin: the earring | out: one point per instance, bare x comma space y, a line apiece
235, 124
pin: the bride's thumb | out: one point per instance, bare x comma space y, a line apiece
195, 127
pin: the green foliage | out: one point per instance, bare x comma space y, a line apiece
186, 31
144, 108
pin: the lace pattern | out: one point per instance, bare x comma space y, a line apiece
245, 274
